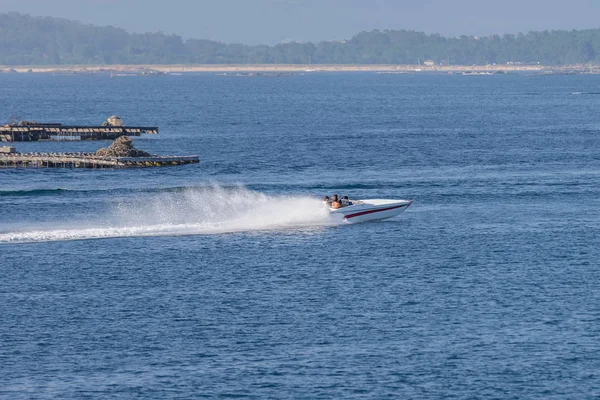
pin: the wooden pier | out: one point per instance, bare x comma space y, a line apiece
35, 132
89, 160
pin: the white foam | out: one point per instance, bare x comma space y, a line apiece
208, 210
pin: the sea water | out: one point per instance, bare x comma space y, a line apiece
228, 278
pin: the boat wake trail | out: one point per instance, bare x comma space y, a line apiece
188, 211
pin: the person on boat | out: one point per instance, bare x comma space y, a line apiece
335, 202
326, 200
345, 201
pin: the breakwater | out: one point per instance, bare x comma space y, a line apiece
89, 161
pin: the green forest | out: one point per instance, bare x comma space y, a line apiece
27, 40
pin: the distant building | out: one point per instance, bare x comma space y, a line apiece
429, 63
114, 120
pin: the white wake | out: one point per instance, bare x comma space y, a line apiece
194, 211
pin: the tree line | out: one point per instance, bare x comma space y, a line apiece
27, 40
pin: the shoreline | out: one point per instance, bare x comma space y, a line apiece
292, 68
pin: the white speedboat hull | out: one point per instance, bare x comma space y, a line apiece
371, 210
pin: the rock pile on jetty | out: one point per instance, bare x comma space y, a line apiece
122, 147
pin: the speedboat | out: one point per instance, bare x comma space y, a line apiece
371, 209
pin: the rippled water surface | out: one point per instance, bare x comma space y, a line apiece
228, 279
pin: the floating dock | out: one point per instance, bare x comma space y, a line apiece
35, 132
88, 160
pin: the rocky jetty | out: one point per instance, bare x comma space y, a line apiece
121, 147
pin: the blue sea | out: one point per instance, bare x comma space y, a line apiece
228, 279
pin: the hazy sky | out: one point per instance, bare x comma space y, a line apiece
273, 21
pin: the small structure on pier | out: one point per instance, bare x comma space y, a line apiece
112, 128
7, 150
114, 120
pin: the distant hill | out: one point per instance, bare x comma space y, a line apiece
27, 40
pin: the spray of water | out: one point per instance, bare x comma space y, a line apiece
192, 211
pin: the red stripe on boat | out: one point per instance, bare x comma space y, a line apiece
374, 211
